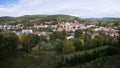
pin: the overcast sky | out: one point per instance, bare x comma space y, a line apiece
81, 8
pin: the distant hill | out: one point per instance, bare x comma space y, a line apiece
106, 19
31, 19
37, 19
110, 19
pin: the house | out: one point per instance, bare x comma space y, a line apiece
70, 37
27, 31
68, 26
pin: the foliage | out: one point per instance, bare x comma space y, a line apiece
8, 45
88, 55
102, 62
58, 35
118, 38
58, 46
29, 41
43, 38
78, 33
78, 44
29, 20
48, 47
68, 47
92, 43
31, 60
57, 53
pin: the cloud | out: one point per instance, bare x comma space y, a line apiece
21, 8
82, 8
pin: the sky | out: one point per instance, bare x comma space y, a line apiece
80, 8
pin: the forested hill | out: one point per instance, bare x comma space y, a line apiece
106, 19
30, 19
37, 19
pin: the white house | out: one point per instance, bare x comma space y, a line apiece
27, 31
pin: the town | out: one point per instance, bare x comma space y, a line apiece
67, 26
59, 41
59, 33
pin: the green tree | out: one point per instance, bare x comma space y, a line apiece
68, 47
78, 44
8, 45
118, 38
92, 43
25, 42
113, 41
29, 41
48, 47
34, 39
59, 46
58, 35
78, 33
43, 38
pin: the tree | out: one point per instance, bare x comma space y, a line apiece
25, 42
29, 41
34, 39
114, 41
118, 37
58, 35
43, 38
48, 47
8, 44
68, 47
78, 33
92, 43
78, 44
59, 46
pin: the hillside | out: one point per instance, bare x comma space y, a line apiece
37, 19
29, 20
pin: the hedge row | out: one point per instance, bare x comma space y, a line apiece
88, 55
